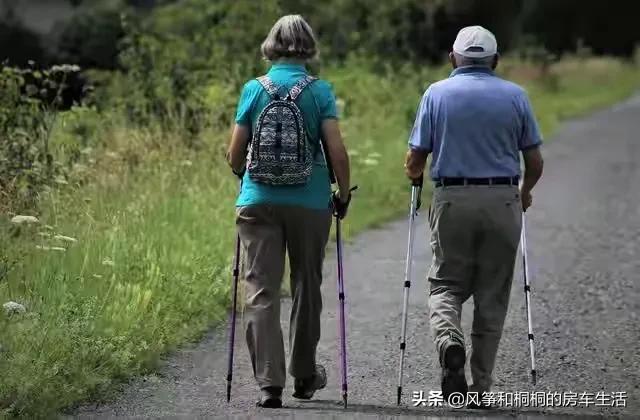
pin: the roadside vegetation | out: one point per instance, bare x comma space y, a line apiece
126, 248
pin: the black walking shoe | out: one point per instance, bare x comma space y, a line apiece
271, 397
453, 379
305, 388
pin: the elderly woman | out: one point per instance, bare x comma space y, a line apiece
286, 130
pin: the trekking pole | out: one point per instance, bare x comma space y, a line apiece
234, 299
416, 192
232, 333
343, 334
527, 292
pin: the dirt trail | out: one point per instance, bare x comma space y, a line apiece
584, 236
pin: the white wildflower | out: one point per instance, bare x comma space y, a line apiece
11, 308
51, 248
370, 162
18, 220
112, 155
375, 155
353, 152
65, 239
186, 162
65, 68
60, 180
108, 262
97, 276
44, 234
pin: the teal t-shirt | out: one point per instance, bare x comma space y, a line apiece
317, 103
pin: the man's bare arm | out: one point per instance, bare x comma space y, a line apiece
415, 163
533, 166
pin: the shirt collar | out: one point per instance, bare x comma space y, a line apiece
472, 69
288, 66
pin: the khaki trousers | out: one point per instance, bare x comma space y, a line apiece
475, 233
266, 233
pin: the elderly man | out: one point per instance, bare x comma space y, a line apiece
475, 125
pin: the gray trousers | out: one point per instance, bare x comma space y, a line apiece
475, 233
267, 232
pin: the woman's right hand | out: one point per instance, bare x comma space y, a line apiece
340, 204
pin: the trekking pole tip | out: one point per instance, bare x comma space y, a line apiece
533, 377
228, 392
344, 400
399, 395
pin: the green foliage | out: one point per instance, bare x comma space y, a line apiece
187, 55
27, 115
394, 30
405, 29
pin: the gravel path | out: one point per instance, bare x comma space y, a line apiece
584, 236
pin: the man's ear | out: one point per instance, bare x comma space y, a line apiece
452, 60
496, 58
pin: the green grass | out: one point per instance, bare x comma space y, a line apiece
151, 268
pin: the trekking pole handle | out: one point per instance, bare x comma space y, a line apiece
352, 189
417, 183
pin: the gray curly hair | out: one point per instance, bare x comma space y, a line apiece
290, 37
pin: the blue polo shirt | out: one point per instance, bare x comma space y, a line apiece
475, 124
317, 103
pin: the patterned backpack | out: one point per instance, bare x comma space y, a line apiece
279, 153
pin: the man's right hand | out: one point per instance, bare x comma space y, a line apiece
533, 164
526, 198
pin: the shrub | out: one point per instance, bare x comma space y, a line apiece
28, 112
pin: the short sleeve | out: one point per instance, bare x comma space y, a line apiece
421, 134
326, 101
245, 103
530, 136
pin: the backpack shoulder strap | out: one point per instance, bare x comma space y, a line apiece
297, 89
268, 85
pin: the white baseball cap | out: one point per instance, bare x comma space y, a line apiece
475, 42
